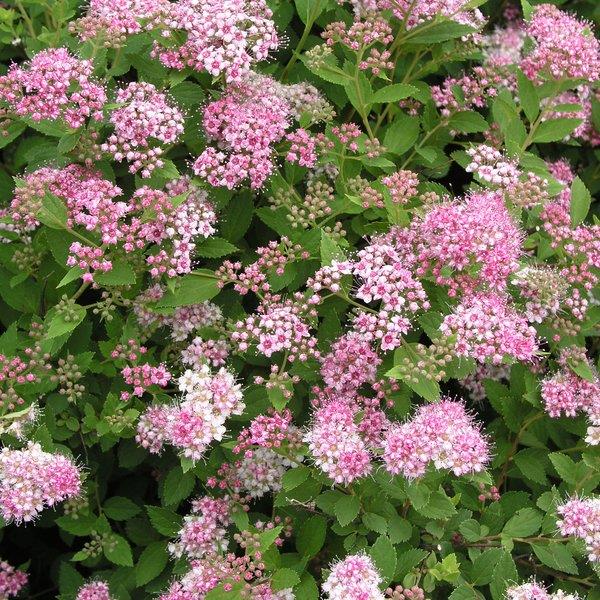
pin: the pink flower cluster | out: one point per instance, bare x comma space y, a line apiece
204, 531
335, 442
354, 578
199, 418
581, 519
487, 328
492, 166
442, 433
221, 36
567, 393
535, 591
402, 186
211, 352
145, 115
278, 325
95, 590
351, 363
111, 21
12, 581
477, 234
142, 377
565, 47
266, 431
31, 479
53, 85
244, 123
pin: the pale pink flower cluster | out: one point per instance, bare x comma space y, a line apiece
111, 21
565, 47
580, 517
12, 581
203, 576
95, 590
566, 393
53, 85
260, 472
141, 377
442, 433
354, 578
504, 45
244, 124
278, 325
492, 166
487, 328
335, 442
402, 186
477, 87
88, 196
302, 148
473, 382
266, 431
145, 116
199, 351
31, 480
535, 591
204, 531
351, 363
545, 290
460, 235
190, 425
221, 36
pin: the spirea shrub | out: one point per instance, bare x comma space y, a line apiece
299, 300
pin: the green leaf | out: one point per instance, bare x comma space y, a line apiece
309, 10
463, 592
384, 556
164, 520
57, 325
292, 478
69, 579
194, 288
346, 509
440, 32
215, 247
438, 506
121, 274
311, 536
556, 129
468, 121
375, 522
359, 93
556, 556
53, 212
330, 251
525, 522
176, 486
151, 563
402, 134
580, 201
399, 529
117, 550
505, 574
83, 525
284, 578
119, 508
528, 98
394, 93
530, 462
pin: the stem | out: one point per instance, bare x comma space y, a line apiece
310, 21
26, 18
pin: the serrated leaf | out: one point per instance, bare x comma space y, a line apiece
468, 121
394, 93
556, 556
120, 508
580, 202
402, 134
117, 550
384, 556
284, 578
164, 520
556, 129
53, 212
151, 563
215, 247
311, 536
528, 98
525, 522
292, 478
346, 509
193, 288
